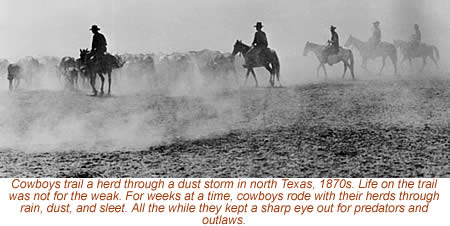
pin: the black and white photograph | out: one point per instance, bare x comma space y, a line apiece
224, 89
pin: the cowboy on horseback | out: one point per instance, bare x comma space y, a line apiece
98, 48
416, 38
259, 46
333, 44
375, 40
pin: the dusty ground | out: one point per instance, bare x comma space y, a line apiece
380, 127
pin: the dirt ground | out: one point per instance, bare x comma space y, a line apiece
379, 127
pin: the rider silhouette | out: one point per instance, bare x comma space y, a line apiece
416, 37
259, 44
333, 47
375, 40
98, 48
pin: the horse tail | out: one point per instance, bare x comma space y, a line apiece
276, 65
436, 51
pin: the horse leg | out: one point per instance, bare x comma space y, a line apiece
93, 77
254, 77
17, 83
317, 71
394, 63
10, 84
435, 61
246, 77
272, 75
109, 83
382, 66
325, 71
103, 82
424, 59
364, 66
345, 68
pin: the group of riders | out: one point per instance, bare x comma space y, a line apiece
374, 40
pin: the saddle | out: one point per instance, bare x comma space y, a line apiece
331, 55
258, 56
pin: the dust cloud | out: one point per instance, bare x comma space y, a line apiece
153, 109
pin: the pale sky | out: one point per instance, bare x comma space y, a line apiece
61, 27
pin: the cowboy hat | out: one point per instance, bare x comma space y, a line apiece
94, 27
376, 22
332, 27
258, 24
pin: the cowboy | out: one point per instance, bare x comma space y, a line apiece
259, 44
416, 37
98, 48
375, 40
333, 44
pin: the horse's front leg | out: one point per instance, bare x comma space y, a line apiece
254, 76
318, 69
92, 80
325, 71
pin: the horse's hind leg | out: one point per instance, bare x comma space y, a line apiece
382, 66
345, 68
435, 61
109, 83
17, 83
103, 82
246, 77
272, 75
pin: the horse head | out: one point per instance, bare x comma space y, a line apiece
349, 41
239, 47
307, 48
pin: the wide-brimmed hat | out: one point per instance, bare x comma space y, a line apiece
258, 24
332, 27
416, 25
94, 28
376, 22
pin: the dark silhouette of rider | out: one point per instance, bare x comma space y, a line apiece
333, 44
416, 37
259, 44
376, 35
98, 48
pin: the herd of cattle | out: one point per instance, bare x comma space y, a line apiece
156, 68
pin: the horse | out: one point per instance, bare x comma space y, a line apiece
384, 50
422, 51
30, 67
271, 63
99, 67
15, 73
68, 67
344, 55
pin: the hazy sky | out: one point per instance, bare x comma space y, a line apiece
61, 27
